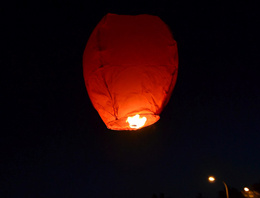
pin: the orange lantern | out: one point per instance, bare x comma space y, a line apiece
130, 68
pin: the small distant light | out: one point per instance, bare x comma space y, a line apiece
246, 189
211, 179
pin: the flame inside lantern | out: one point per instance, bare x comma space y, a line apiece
136, 121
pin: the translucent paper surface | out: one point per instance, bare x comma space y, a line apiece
130, 68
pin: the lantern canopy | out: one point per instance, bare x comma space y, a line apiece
130, 66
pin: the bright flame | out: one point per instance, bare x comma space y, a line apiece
136, 122
211, 179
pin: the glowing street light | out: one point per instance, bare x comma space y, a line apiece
246, 189
212, 179
249, 193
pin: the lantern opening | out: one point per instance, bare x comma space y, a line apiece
136, 122
124, 124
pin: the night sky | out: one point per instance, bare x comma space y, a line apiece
53, 142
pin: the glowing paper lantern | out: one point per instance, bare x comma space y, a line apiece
130, 68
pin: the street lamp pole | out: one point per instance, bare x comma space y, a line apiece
212, 179
226, 189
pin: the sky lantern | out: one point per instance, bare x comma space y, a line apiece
130, 67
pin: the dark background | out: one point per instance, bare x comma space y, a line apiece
53, 142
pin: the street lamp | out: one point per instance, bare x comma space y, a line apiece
212, 179
247, 191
